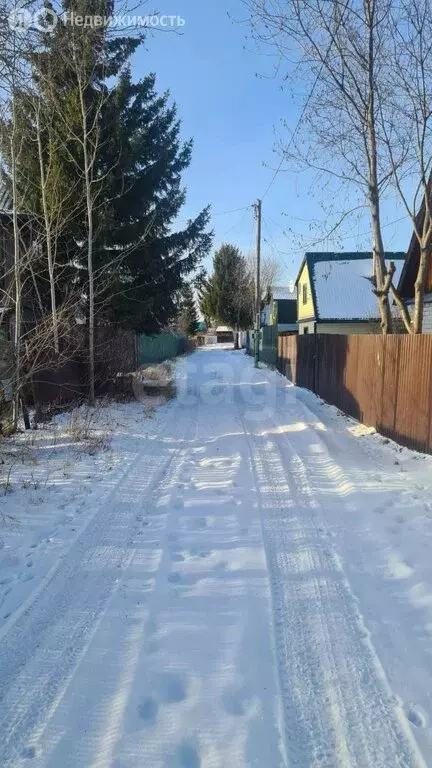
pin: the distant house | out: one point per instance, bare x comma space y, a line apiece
224, 335
409, 276
335, 293
220, 335
281, 310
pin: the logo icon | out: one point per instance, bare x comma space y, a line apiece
45, 20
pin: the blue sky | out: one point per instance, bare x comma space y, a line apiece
232, 106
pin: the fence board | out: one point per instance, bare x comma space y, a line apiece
160, 347
413, 400
287, 356
391, 348
386, 382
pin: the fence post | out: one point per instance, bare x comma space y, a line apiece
316, 363
136, 349
429, 435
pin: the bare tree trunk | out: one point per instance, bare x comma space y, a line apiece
402, 309
91, 306
88, 166
17, 277
236, 338
380, 271
48, 235
419, 289
424, 264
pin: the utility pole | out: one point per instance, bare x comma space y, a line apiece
257, 282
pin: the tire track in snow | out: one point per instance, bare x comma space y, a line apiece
333, 469
42, 649
339, 710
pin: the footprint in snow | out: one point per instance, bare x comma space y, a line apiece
172, 689
234, 703
177, 557
185, 756
151, 646
28, 753
147, 710
416, 716
174, 578
375, 478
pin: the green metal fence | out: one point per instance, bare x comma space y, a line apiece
268, 351
160, 347
268, 344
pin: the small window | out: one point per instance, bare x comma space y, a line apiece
305, 293
306, 330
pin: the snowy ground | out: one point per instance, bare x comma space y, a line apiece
243, 579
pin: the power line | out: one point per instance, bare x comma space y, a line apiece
277, 250
297, 251
233, 210
306, 104
293, 135
239, 221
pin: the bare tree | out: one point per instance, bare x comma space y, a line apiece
343, 46
269, 273
83, 147
406, 132
12, 73
57, 206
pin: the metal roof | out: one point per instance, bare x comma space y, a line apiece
342, 286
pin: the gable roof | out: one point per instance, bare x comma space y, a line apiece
281, 292
341, 284
410, 269
408, 275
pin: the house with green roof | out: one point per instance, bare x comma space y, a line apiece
335, 293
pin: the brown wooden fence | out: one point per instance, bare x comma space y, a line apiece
384, 381
115, 352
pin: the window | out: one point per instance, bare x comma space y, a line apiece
305, 293
306, 330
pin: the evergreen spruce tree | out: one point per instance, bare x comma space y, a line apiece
141, 260
188, 316
227, 296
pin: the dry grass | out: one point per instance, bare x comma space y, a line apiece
154, 380
90, 427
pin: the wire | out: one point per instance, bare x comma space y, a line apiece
306, 104
239, 221
293, 135
298, 251
234, 210
278, 251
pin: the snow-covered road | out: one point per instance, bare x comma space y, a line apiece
255, 589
